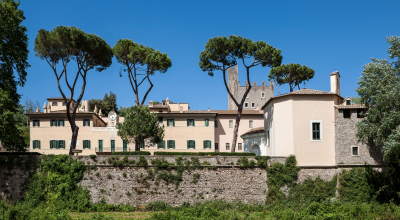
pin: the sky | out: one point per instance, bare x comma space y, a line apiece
326, 36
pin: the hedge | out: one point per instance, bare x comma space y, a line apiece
20, 153
204, 153
131, 153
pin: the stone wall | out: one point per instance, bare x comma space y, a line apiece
346, 131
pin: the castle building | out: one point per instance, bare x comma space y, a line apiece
256, 97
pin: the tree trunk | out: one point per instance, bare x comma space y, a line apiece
235, 130
75, 130
137, 145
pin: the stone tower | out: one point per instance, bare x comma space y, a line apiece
257, 96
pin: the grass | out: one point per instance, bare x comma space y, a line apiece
111, 215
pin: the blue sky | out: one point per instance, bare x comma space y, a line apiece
324, 35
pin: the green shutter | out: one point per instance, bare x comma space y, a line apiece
188, 142
59, 122
38, 144
167, 122
38, 123
187, 121
173, 144
88, 122
209, 144
163, 144
194, 144
63, 144
100, 145
206, 122
193, 123
51, 123
204, 144
173, 122
51, 144
34, 144
63, 123
89, 143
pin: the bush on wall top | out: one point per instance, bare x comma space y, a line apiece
20, 153
131, 153
204, 153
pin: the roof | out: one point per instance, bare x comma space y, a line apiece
352, 106
302, 92
334, 73
234, 112
254, 131
189, 112
59, 98
64, 113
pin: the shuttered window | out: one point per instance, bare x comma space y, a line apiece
207, 122
191, 144
112, 145
190, 122
161, 145
171, 144
36, 123
170, 122
61, 123
142, 144
207, 144
124, 146
57, 144
86, 122
100, 145
86, 144
36, 144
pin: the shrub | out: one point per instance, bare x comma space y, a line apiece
92, 156
132, 153
19, 153
109, 176
204, 153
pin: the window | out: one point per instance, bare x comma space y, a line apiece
100, 145
231, 123
163, 103
316, 131
216, 123
54, 104
57, 144
360, 113
191, 144
354, 151
86, 144
64, 104
171, 144
246, 104
263, 95
170, 122
348, 102
207, 144
160, 111
86, 122
251, 124
112, 145
268, 142
142, 144
57, 123
161, 145
239, 146
61, 123
216, 146
346, 113
190, 122
253, 105
124, 146
36, 144
227, 146
160, 120
207, 122
36, 123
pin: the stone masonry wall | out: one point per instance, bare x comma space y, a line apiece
346, 131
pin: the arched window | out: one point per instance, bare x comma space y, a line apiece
54, 104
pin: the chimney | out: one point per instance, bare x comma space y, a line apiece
335, 82
254, 83
100, 114
95, 109
86, 105
167, 101
263, 83
151, 104
49, 108
208, 109
45, 107
37, 109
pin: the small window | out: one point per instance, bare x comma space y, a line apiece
64, 104
253, 105
142, 144
163, 103
239, 146
227, 146
124, 146
316, 131
100, 145
170, 122
231, 123
112, 145
86, 122
346, 113
191, 144
190, 122
161, 145
216, 146
207, 122
36, 144
160, 111
268, 142
171, 144
36, 123
216, 123
360, 113
251, 124
263, 95
86, 144
348, 102
54, 104
246, 105
354, 151
207, 144
160, 120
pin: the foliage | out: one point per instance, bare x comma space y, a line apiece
292, 74
13, 65
137, 57
222, 53
109, 103
139, 125
63, 44
356, 100
131, 153
20, 153
379, 90
122, 111
244, 162
204, 153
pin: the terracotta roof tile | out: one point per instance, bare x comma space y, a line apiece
254, 131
